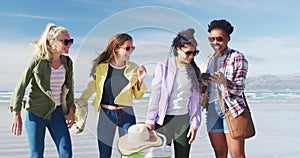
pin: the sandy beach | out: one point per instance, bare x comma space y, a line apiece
277, 126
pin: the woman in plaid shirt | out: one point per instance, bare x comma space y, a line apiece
228, 69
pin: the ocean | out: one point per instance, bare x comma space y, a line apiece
251, 96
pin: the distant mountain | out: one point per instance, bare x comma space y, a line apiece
271, 83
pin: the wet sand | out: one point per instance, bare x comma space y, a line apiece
277, 126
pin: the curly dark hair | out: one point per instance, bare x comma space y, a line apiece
221, 24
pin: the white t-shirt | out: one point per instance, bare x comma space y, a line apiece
181, 93
213, 92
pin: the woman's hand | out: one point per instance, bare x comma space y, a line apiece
71, 118
150, 127
17, 124
192, 134
218, 78
142, 73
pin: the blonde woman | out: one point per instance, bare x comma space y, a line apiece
46, 73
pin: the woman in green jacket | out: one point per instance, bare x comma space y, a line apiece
47, 73
116, 81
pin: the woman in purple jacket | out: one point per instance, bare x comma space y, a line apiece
174, 106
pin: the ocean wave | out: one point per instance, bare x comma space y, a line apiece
251, 97
273, 96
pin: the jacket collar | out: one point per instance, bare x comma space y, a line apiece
62, 57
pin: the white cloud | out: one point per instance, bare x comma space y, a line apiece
28, 16
270, 55
14, 57
218, 6
266, 54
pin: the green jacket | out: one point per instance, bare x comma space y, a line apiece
125, 96
40, 100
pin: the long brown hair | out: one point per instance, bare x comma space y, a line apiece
109, 51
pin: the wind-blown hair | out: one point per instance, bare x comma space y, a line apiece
109, 51
42, 47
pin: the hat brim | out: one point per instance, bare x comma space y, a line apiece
127, 147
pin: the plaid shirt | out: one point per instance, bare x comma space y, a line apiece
235, 69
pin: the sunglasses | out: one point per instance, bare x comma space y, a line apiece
218, 38
188, 53
66, 42
128, 48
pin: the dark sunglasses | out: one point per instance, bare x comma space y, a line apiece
188, 53
66, 42
218, 38
128, 48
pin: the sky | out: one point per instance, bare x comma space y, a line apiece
266, 31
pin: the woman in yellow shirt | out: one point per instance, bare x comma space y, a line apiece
116, 81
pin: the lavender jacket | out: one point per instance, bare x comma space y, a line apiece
161, 89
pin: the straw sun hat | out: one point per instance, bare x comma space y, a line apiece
137, 139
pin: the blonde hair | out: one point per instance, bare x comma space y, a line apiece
42, 46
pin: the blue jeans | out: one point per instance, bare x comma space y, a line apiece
108, 121
215, 118
36, 128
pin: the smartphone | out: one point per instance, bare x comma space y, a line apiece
205, 76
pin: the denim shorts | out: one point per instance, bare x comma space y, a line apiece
215, 120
